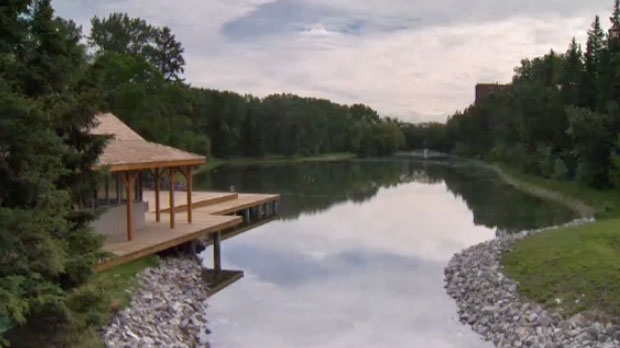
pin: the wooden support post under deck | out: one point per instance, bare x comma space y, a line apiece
217, 251
172, 173
130, 178
246, 213
157, 205
188, 176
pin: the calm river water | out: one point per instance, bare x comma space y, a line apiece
357, 257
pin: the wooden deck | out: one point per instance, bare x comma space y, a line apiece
199, 199
243, 201
211, 213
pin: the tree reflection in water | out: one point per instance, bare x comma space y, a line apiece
310, 188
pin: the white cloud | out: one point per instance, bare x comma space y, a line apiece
431, 71
419, 61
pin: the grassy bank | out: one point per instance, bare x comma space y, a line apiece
578, 266
575, 269
584, 201
213, 163
118, 283
119, 280
602, 204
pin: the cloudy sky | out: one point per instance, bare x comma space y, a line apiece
417, 60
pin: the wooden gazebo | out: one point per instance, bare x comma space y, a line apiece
127, 156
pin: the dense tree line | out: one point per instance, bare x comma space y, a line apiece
559, 118
137, 67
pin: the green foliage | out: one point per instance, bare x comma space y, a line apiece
425, 135
168, 54
560, 172
136, 63
591, 135
46, 156
89, 306
119, 33
559, 106
49, 93
614, 171
226, 124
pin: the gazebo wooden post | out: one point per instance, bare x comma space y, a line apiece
157, 204
188, 176
171, 173
130, 178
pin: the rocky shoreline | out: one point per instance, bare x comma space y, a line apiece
489, 302
167, 309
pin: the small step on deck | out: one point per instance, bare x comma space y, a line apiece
199, 199
242, 202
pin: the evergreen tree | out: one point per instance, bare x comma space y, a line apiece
594, 49
610, 64
167, 54
614, 30
573, 71
46, 156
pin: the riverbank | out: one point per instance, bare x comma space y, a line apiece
213, 163
492, 305
166, 310
577, 265
563, 280
562, 192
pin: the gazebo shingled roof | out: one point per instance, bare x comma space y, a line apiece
129, 151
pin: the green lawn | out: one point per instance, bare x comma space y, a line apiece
578, 265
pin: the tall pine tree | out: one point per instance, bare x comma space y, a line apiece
46, 156
610, 64
168, 54
571, 77
594, 49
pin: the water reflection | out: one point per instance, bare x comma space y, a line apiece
312, 188
357, 260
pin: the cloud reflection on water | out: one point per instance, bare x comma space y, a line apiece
357, 275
